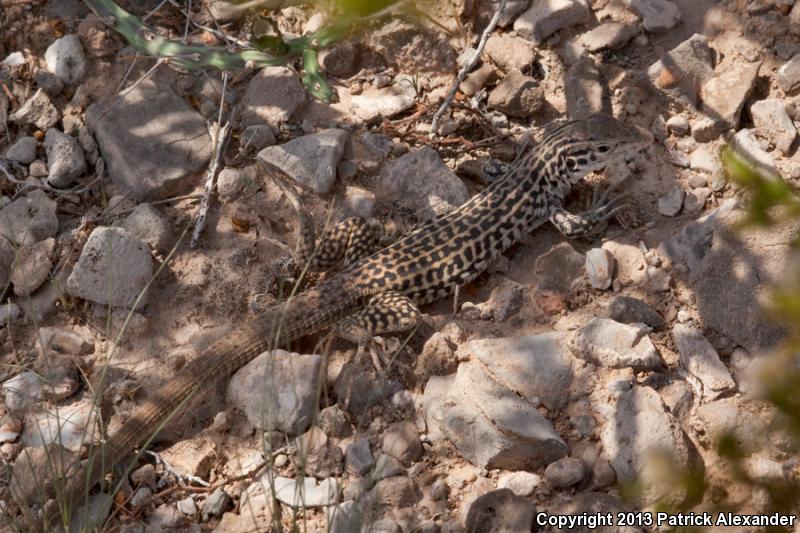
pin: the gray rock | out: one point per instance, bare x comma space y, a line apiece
38, 111
165, 517
66, 59
153, 142
585, 89
608, 36
608, 343
637, 437
38, 169
420, 181
305, 493
788, 76
23, 150
93, 515
311, 159
603, 474
29, 219
517, 95
478, 79
272, 97
359, 202
695, 200
216, 504
333, 422
413, 48
747, 146
630, 310
9, 312
359, 457
187, 506
669, 204
537, 367
402, 442
277, 391
657, 15
599, 268
65, 159
375, 104
386, 466
113, 269
145, 475
565, 472
49, 83
702, 361
393, 492
501, 510
705, 159
72, 426
543, 19
684, 69
146, 224
723, 280
231, 183
22, 391
559, 272
490, 425
510, 52
341, 60
724, 95
142, 498
678, 124
520, 483
772, 122
257, 137
705, 129
32, 266
697, 181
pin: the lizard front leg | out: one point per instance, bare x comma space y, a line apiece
591, 221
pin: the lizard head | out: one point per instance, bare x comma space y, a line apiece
589, 144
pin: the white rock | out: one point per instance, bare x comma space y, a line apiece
375, 104
669, 204
772, 121
702, 361
520, 483
37, 110
544, 18
22, 391
23, 150
599, 268
305, 493
613, 345
746, 145
66, 59
72, 426
65, 159
657, 15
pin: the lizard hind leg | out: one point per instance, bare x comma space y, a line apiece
385, 313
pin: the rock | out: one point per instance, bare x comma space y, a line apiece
678, 125
402, 442
143, 496
413, 48
194, 456
490, 425
706, 160
510, 52
724, 95
341, 60
631, 310
599, 268
9, 312
311, 159
607, 343
22, 391
420, 181
594, 504
559, 272
393, 492
788, 76
520, 483
543, 19
304, 493
277, 391
501, 510
216, 504
187, 506
38, 169
93, 515
608, 36
565, 472
695, 200
113, 269
153, 142
772, 122
71, 426
375, 104
144, 476
29, 219
360, 202
536, 367
146, 224
66, 59
359, 388
230, 183
702, 361
165, 517
23, 150
657, 15
669, 204
359, 457
7, 255
256, 137
746, 145
487, 8
38, 111
65, 159
32, 266
603, 474
705, 129
333, 422
685, 68
49, 83
697, 181
317, 456
722, 280
386, 466
517, 95
505, 299
585, 90
272, 97
478, 79
641, 440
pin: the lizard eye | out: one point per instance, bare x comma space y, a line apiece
603, 148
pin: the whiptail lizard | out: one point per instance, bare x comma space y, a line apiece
379, 293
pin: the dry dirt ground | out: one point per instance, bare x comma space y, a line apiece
699, 280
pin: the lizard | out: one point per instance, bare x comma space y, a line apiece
378, 293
